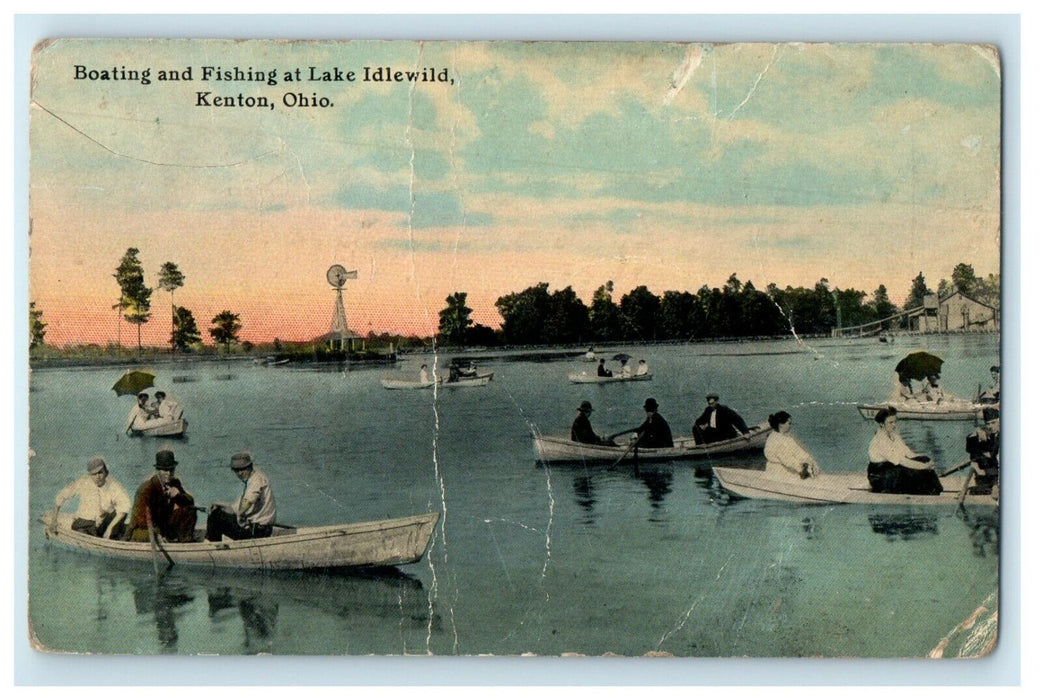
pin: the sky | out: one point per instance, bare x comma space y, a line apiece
666, 165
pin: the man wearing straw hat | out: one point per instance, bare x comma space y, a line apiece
253, 515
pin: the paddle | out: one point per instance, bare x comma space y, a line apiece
957, 467
629, 447
154, 540
965, 488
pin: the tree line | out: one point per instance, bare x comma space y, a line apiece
538, 316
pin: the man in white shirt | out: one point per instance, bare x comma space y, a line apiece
253, 515
103, 503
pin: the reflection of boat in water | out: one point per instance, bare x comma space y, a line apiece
957, 409
369, 544
834, 487
550, 448
903, 526
161, 428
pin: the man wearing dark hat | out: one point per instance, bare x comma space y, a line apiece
103, 503
163, 506
654, 431
582, 431
717, 422
983, 448
253, 515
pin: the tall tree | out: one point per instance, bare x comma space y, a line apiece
881, 304
454, 319
916, 294
639, 311
524, 314
135, 300
568, 317
965, 280
185, 332
37, 328
604, 314
171, 278
225, 329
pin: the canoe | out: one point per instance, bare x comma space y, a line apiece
368, 544
834, 488
170, 428
550, 448
916, 410
584, 378
479, 380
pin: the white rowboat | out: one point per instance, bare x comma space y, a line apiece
828, 487
369, 544
479, 380
918, 410
584, 378
169, 428
550, 448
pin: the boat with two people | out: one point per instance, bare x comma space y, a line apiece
559, 448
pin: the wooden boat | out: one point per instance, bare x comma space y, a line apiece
835, 487
478, 380
584, 378
368, 544
959, 409
563, 449
169, 428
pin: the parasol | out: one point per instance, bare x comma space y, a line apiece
622, 357
132, 382
918, 365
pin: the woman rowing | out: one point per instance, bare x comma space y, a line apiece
892, 466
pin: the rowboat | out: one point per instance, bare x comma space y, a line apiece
477, 380
563, 449
369, 544
168, 428
834, 488
584, 378
959, 409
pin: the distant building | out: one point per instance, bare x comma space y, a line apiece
955, 312
339, 340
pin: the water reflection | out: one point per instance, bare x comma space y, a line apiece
659, 482
162, 598
582, 485
984, 530
903, 526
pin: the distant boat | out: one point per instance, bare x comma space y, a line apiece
161, 428
367, 544
479, 380
947, 410
584, 378
549, 448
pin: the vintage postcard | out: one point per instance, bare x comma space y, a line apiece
465, 348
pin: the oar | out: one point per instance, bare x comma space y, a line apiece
155, 545
957, 467
629, 447
965, 488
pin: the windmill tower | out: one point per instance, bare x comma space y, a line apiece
336, 276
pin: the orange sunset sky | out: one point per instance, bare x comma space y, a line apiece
669, 165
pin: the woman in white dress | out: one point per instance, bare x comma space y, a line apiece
785, 456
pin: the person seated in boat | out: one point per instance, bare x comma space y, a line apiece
893, 467
717, 423
253, 515
642, 368
162, 505
454, 373
582, 431
167, 408
602, 371
786, 457
991, 395
627, 368
140, 415
902, 390
103, 503
654, 431
589, 354
425, 378
983, 447
932, 391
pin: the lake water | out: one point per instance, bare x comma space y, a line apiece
528, 557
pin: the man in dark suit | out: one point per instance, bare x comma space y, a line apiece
983, 448
162, 506
717, 422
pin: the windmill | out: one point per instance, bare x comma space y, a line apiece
336, 276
